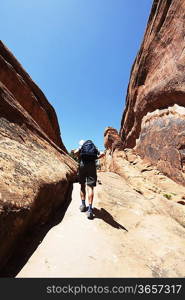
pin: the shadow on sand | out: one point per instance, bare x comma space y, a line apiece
107, 217
31, 240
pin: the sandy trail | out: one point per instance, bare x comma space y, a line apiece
130, 236
77, 247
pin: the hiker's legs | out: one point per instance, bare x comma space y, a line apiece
82, 192
90, 190
82, 195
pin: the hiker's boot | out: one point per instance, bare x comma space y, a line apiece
83, 208
90, 214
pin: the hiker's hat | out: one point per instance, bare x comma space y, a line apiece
81, 142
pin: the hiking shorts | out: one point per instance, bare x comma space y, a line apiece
87, 173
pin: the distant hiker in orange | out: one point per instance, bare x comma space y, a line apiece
87, 154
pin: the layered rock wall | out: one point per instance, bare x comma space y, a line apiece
153, 121
35, 171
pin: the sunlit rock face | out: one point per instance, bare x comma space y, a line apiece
154, 114
152, 239
35, 170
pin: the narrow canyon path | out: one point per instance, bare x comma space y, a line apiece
77, 246
130, 236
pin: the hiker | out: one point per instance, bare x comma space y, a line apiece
87, 154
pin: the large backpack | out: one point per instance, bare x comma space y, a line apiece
88, 151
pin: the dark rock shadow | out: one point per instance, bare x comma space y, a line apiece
31, 240
107, 217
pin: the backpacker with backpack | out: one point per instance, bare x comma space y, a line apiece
88, 152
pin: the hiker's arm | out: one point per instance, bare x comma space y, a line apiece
101, 155
76, 153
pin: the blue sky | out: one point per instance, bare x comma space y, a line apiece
80, 53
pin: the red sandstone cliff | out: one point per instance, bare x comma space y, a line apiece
153, 121
153, 128
35, 170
